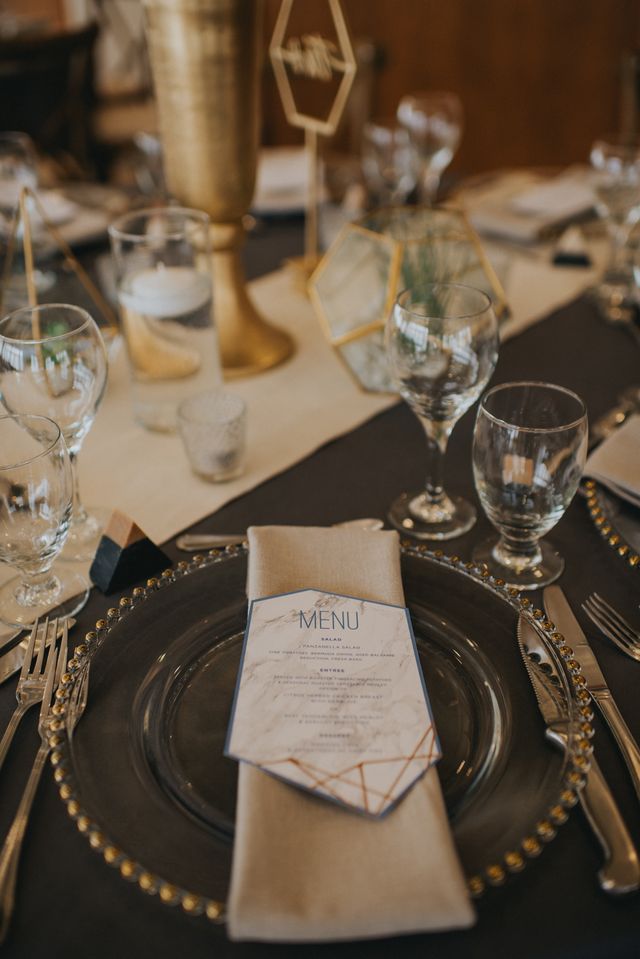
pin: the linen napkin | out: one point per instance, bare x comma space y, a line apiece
525, 212
616, 462
303, 868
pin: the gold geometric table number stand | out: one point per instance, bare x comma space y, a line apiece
314, 61
22, 216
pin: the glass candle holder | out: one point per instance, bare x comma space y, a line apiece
213, 427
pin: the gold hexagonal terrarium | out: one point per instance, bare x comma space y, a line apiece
373, 259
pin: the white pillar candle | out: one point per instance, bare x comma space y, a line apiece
166, 291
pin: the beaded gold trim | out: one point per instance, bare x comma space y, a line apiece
603, 524
192, 903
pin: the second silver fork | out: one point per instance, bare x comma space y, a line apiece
32, 680
10, 855
613, 625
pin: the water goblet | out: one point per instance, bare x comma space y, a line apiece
529, 450
434, 120
53, 362
388, 162
616, 183
36, 499
18, 169
442, 346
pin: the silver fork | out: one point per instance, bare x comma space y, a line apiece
31, 683
613, 625
10, 854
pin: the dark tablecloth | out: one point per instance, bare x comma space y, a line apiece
69, 903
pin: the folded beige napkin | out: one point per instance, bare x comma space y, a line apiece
616, 462
303, 868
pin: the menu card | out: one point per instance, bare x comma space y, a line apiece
330, 697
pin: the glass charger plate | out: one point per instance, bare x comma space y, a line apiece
617, 521
144, 776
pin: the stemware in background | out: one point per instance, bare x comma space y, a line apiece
53, 362
442, 345
388, 162
529, 450
434, 120
163, 274
616, 183
18, 169
36, 499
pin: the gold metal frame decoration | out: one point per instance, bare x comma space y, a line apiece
318, 59
372, 259
22, 216
206, 58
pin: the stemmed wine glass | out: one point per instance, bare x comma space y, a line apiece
529, 450
53, 362
616, 182
18, 169
388, 162
442, 344
36, 499
434, 120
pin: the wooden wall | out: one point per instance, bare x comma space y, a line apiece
539, 79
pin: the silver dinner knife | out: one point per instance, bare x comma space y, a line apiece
558, 610
621, 870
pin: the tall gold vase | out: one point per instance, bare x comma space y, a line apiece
205, 58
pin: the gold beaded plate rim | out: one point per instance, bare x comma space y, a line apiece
193, 903
605, 524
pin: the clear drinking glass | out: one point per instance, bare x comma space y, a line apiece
53, 362
529, 450
616, 182
163, 272
434, 120
36, 500
388, 161
442, 345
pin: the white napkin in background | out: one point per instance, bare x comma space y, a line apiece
55, 205
616, 462
305, 869
564, 197
518, 206
282, 180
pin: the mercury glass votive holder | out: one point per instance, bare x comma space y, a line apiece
213, 428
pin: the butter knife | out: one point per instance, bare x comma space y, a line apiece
558, 610
621, 870
7, 639
191, 542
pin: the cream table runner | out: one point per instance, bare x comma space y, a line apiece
292, 410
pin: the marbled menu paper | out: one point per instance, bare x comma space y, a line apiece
330, 697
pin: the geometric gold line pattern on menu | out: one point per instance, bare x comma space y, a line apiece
372, 799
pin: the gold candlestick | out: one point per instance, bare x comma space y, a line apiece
205, 57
